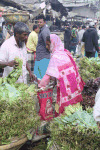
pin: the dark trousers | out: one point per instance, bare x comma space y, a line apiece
90, 54
1, 72
66, 45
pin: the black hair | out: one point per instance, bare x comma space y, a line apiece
99, 27
35, 27
67, 24
79, 26
20, 27
83, 27
74, 26
42, 17
3, 23
48, 39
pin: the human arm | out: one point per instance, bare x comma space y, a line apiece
4, 57
45, 33
54, 81
83, 38
44, 82
9, 63
32, 76
35, 40
77, 36
95, 41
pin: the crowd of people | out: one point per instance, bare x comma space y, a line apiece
82, 40
46, 58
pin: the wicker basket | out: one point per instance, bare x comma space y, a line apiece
17, 143
16, 17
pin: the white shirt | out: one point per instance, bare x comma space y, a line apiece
80, 34
96, 108
8, 51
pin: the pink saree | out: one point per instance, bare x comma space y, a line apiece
63, 68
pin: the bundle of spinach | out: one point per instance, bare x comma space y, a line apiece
17, 111
90, 89
16, 72
75, 130
89, 68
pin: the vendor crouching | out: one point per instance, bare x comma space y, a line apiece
63, 68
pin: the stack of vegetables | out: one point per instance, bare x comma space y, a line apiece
90, 89
14, 74
75, 130
17, 107
89, 69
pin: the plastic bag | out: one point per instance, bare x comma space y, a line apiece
45, 102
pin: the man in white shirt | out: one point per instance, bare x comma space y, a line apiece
15, 47
80, 44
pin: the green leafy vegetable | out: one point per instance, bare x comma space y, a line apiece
75, 130
18, 112
89, 68
16, 72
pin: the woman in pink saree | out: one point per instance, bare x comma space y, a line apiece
63, 68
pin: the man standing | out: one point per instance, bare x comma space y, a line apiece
79, 28
31, 46
74, 39
80, 44
15, 47
67, 36
90, 38
42, 54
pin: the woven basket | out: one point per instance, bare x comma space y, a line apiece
17, 143
16, 17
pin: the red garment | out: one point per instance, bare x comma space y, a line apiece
75, 84
64, 69
45, 101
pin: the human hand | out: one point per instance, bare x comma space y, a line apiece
98, 124
32, 77
99, 53
39, 81
79, 42
12, 63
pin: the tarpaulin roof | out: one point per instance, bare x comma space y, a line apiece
75, 5
20, 4
58, 6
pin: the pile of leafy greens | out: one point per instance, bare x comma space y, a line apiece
75, 130
17, 107
89, 68
90, 89
17, 111
14, 74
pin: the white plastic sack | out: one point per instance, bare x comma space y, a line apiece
96, 108
77, 49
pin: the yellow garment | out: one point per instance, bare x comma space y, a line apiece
32, 42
